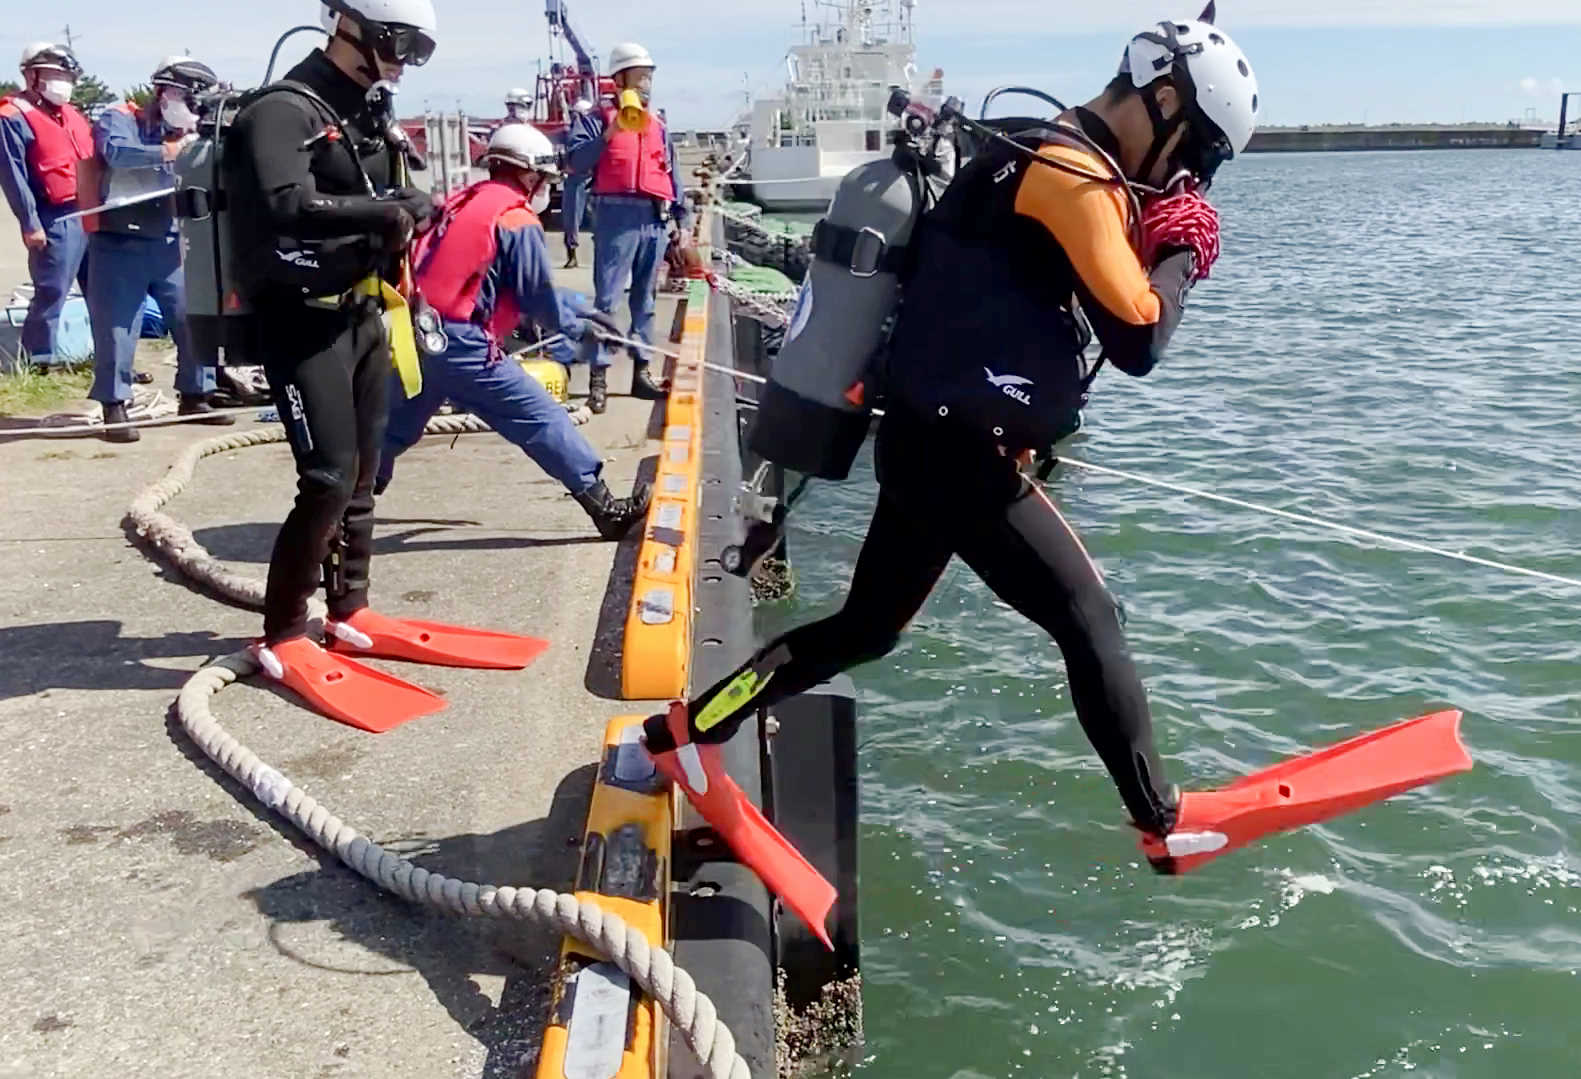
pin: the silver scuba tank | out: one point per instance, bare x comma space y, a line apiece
811, 417
216, 306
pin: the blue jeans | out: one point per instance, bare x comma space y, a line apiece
503, 396
122, 270
52, 269
573, 208
628, 236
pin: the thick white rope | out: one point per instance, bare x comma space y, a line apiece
690, 1010
45, 429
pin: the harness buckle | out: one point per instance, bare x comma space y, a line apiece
878, 253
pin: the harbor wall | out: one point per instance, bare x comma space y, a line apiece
1329, 139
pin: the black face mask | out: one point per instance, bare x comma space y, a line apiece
1163, 130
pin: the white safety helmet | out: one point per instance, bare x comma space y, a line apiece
400, 31
48, 54
628, 54
1206, 63
525, 147
519, 96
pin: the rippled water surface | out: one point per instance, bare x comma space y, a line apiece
1390, 341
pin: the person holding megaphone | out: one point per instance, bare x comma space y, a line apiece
636, 192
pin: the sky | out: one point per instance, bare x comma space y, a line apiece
1343, 61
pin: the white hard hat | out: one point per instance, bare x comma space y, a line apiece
525, 147
49, 54
519, 96
410, 27
1216, 68
628, 54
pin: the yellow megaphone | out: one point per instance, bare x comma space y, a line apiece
633, 116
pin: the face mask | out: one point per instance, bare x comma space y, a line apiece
177, 116
56, 91
540, 198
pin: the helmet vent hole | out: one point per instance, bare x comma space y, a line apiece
1254, 102
1217, 39
1244, 69
1181, 28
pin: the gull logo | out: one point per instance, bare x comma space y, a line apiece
298, 258
1005, 172
1010, 385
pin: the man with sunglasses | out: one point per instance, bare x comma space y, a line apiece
135, 250
986, 367
42, 140
310, 167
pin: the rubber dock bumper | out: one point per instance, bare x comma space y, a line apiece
601, 1026
656, 658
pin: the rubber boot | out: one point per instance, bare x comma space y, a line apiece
614, 517
643, 388
570, 259
116, 413
200, 406
598, 389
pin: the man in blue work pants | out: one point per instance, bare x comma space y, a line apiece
636, 192
135, 251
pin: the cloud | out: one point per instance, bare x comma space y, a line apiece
1529, 85
1532, 86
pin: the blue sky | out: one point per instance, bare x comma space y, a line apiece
1337, 61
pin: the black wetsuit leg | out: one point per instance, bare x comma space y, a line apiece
329, 372
944, 492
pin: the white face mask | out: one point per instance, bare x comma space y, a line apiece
56, 91
540, 197
176, 115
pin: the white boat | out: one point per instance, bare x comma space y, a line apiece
832, 116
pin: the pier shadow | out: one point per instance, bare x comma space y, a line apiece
95, 655
607, 654
450, 953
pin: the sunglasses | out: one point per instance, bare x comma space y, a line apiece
396, 44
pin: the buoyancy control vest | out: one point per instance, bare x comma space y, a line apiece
988, 332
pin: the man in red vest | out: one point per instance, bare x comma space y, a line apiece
42, 137
481, 268
636, 193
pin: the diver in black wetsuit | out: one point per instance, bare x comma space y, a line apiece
987, 312
317, 218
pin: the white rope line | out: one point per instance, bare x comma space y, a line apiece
96, 428
1320, 522
652, 969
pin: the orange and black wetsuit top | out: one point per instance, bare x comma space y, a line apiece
988, 331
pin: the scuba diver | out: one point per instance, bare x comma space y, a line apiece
321, 226
1040, 227
987, 316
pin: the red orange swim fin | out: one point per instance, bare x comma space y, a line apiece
698, 771
344, 689
368, 633
1305, 790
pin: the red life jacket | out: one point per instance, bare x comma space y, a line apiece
60, 140
453, 257
635, 162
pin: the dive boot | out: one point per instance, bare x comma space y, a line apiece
598, 389
614, 517
643, 388
114, 414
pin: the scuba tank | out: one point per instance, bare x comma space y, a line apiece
813, 415
216, 307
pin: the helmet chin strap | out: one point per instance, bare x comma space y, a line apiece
370, 59
1163, 131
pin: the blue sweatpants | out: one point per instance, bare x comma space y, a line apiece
53, 268
122, 270
628, 237
503, 396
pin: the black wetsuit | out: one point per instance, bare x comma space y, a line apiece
308, 228
948, 487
